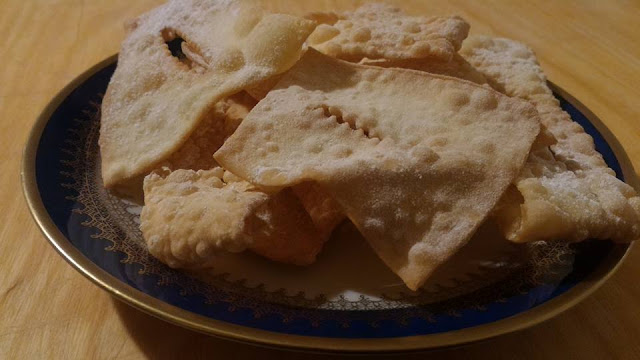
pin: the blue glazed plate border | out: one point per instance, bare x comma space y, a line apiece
49, 218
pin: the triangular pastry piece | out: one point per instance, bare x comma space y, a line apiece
415, 160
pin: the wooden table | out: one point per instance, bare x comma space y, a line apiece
48, 310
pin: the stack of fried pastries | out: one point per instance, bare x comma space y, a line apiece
242, 129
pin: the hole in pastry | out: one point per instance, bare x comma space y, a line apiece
183, 51
175, 47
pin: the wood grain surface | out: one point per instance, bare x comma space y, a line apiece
49, 311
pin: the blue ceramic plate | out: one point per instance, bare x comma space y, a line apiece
347, 301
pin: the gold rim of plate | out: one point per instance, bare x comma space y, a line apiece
187, 319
